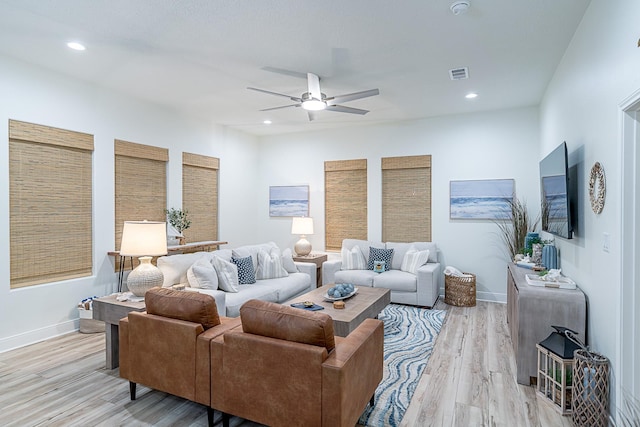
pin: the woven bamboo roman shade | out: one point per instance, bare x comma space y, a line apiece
200, 196
406, 199
50, 204
141, 184
345, 201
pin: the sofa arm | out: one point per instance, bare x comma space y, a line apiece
329, 270
311, 269
345, 390
428, 284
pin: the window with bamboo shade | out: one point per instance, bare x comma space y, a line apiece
406, 199
141, 184
345, 201
200, 196
50, 204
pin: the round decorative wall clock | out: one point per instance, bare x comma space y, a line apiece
597, 188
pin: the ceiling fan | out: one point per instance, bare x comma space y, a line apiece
314, 100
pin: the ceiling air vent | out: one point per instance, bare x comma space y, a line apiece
459, 73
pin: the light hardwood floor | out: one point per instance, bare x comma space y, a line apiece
469, 381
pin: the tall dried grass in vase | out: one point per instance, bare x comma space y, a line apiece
513, 229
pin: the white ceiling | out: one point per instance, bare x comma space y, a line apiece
199, 56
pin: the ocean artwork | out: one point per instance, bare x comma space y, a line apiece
481, 199
289, 200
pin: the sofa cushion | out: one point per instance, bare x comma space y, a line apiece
270, 264
396, 280
413, 259
189, 306
246, 273
227, 274
382, 255
287, 323
202, 275
287, 261
401, 248
353, 259
265, 292
288, 287
355, 277
364, 246
252, 250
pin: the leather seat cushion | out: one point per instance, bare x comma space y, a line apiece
287, 323
189, 306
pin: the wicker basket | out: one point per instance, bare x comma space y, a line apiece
590, 399
460, 291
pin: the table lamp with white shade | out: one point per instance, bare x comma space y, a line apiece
302, 226
144, 239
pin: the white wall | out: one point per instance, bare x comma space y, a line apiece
38, 96
599, 70
495, 145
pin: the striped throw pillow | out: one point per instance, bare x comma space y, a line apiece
353, 259
414, 259
270, 265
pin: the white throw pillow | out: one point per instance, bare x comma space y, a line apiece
270, 265
353, 259
227, 274
414, 259
287, 261
202, 275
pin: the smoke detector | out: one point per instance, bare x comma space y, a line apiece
460, 7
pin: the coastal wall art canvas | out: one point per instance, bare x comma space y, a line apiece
481, 199
289, 200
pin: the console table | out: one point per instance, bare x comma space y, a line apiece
110, 311
532, 310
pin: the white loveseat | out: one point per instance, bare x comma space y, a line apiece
420, 289
301, 278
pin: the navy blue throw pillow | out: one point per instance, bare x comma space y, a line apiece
379, 254
246, 275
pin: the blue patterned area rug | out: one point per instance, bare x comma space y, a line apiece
409, 336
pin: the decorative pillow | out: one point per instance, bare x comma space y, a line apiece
190, 306
270, 265
287, 261
413, 259
353, 259
227, 274
379, 254
246, 275
202, 275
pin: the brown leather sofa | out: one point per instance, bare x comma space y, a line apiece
167, 348
284, 367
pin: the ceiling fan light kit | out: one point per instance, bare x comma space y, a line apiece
314, 100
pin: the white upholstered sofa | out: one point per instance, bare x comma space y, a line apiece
179, 269
419, 287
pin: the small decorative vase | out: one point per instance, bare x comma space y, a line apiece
537, 253
550, 257
529, 239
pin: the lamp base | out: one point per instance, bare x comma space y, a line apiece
144, 277
302, 247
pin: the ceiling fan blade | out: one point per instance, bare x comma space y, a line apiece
314, 86
281, 107
285, 72
312, 115
293, 98
352, 96
343, 109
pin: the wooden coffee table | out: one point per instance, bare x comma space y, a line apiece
366, 303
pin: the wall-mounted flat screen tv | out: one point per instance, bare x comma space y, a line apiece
554, 187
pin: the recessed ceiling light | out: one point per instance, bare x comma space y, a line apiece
267, 122
471, 95
76, 46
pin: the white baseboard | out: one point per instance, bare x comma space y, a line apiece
37, 335
486, 296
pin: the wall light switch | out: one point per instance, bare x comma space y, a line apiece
606, 242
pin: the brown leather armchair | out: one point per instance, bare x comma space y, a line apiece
286, 368
167, 347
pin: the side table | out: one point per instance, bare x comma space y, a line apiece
110, 310
316, 259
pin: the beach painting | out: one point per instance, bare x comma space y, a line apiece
481, 199
289, 200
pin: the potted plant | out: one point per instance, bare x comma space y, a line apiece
179, 219
513, 230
